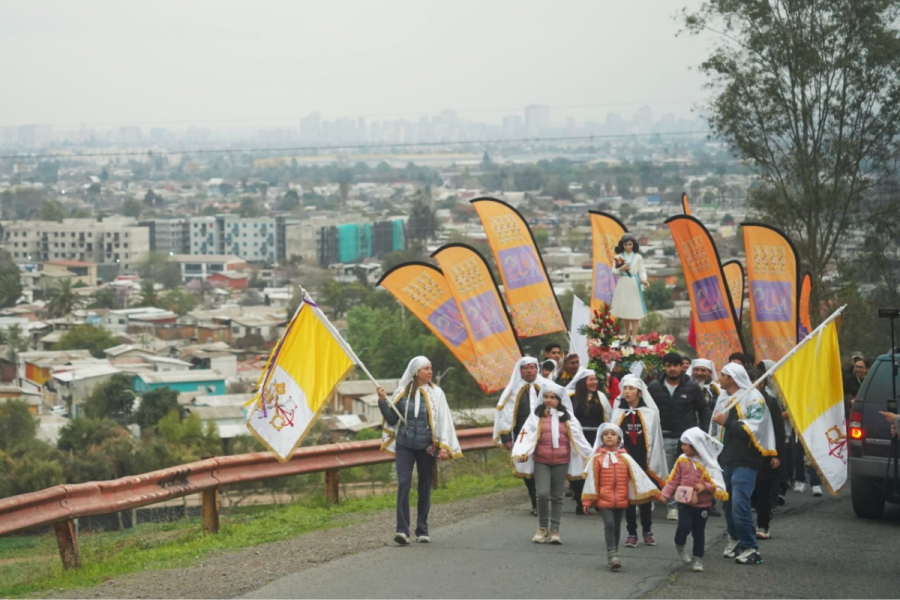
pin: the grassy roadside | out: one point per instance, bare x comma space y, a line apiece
30, 565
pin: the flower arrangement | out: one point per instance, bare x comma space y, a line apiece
604, 347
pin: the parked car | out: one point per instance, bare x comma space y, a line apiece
871, 482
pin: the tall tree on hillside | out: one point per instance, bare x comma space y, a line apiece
62, 299
809, 94
422, 223
10, 283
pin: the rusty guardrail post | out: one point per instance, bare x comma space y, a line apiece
67, 542
209, 510
333, 485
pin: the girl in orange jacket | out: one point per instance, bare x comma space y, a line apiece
613, 481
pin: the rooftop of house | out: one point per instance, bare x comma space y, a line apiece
122, 349
181, 377
88, 372
70, 263
206, 258
48, 358
164, 360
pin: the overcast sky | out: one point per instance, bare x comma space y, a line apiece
242, 62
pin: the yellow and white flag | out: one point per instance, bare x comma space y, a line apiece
810, 383
302, 372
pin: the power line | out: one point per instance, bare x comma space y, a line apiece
372, 115
338, 147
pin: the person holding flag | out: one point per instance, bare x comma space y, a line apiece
742, 423
417, 429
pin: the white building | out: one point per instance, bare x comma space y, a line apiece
112, 241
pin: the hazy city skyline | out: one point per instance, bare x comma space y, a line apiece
100, 64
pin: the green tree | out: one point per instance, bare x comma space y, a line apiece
289, 201
149, 295
16, 341
188, 438
658, 296
10, 280
809, 93
62, 299
155, 405
132, 208
422, 223
88, 337
17, 424
52, 211
157, 267
112, 399
179, 300
104, 297
249, 208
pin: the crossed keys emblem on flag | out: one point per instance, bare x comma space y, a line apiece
837, 443
281, 416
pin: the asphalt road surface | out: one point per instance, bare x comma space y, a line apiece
819, 549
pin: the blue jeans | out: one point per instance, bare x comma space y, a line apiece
739, 482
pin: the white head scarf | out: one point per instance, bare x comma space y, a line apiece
752, 410
598, 443
739, 374
581, 374
704, 362
559, 392
708, 448
515, 380
411, 369
637, 382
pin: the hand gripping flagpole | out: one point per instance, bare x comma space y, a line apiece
343, 343
785, 358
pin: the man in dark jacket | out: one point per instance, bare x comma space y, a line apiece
681, 406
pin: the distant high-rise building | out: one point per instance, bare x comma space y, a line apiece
169, 236
512, 126
311, 128
537, 119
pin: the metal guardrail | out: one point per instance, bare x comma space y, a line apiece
59, 505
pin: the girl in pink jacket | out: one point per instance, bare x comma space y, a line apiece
695, 479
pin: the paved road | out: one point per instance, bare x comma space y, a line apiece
819, 549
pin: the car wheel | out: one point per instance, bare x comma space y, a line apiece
868, 498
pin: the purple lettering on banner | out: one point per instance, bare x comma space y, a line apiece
711, 305
521, 267
604, 283
772, 300
484, 315
448, 321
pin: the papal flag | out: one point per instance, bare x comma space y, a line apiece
810, 383
301, 375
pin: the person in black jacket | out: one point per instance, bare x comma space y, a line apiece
681, 406
771, 469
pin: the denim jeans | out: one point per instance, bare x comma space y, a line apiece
739, 482
672, 446
692, 520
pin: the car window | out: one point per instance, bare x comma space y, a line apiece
877, 385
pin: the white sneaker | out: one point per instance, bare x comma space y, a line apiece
423, 539
763, 534
817, 490
730, 547
698, 565
401, 538
800, 487
672, 515
683, 555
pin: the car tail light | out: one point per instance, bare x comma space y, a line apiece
855, 429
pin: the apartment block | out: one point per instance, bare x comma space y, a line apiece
112, 241
169, 236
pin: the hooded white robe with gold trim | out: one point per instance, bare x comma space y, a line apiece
641, 488
656, 454
443, 432
526, 442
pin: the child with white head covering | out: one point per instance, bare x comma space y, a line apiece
551, 448
698, 470
417, 427
636, 414
614, 481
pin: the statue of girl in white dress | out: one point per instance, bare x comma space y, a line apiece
628, 301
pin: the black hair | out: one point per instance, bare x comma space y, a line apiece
620, 247
548, 364
581, 392
550, 347
753, 373
737, 356
672, 358
541, 410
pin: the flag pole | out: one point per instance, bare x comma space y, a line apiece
343, 343
786, 357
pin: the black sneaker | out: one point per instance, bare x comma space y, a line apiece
749, 556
